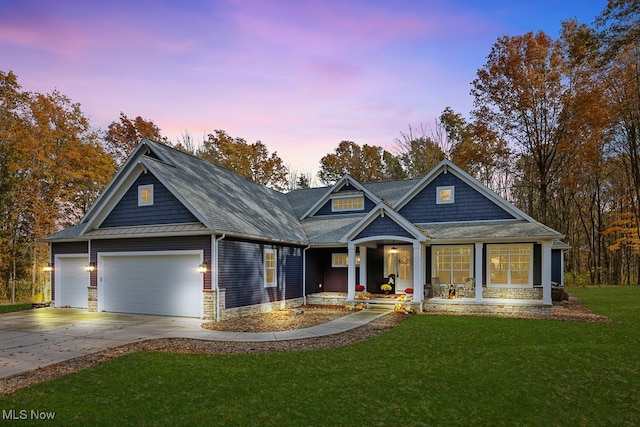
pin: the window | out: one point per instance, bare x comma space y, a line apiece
270, 264
342, 260
510, 265
445, 194
145, 195
353, 203
452, 264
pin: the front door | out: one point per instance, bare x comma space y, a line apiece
398, 261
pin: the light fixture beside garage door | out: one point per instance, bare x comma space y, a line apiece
91, 267
202, 268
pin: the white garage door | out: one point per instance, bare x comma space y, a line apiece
150, 283
71, 280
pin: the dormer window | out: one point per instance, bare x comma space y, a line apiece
445, 195
347, 203
145, 195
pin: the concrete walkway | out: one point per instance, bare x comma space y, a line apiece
36, 338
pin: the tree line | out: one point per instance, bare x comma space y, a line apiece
555, 129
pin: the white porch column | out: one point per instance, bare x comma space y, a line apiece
418, 264
478, 272
363, 266
351, 277
546, 272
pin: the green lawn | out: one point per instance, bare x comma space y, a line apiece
431, 370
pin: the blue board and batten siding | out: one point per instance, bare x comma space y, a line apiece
556, 266
383, 226
241, 273
469, 204
166, 208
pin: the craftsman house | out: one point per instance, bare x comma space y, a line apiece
174, 235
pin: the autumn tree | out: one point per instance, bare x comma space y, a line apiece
251, 161
13, 105
367, 163
581, 198
477, 149
52, 168
123, 136
418, 151
520, 92
619, 32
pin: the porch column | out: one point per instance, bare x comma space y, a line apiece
363, 266
546, 272
351, 277
418, 284
478, 272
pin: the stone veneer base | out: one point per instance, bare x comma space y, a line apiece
259, 308
504, 307
92, 299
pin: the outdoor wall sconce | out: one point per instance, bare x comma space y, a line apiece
48, 267
90, 267
202, 268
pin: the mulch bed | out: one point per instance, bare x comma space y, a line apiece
570, 310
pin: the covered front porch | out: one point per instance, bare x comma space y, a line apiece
518, 273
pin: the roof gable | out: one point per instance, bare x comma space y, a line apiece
220, 199
468, 203
166, 208
383, 222
344, 185
476, 202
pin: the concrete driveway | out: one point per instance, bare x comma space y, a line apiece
35, 338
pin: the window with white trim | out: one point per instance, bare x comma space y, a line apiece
145, 195
510, 265
270, 268
341, 260
445, 194
350, 203
452, 264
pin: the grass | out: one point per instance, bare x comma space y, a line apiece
430, 370
10, 308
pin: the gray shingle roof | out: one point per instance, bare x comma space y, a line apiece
503, 230
329, 229
226, 201
302, 200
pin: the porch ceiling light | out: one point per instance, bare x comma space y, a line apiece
394, 250
90, 267
202, 268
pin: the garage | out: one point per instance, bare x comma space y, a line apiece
166, 283
71, 280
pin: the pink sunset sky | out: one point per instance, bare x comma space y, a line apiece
298, 75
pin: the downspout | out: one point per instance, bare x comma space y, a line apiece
304, 275
214, 273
